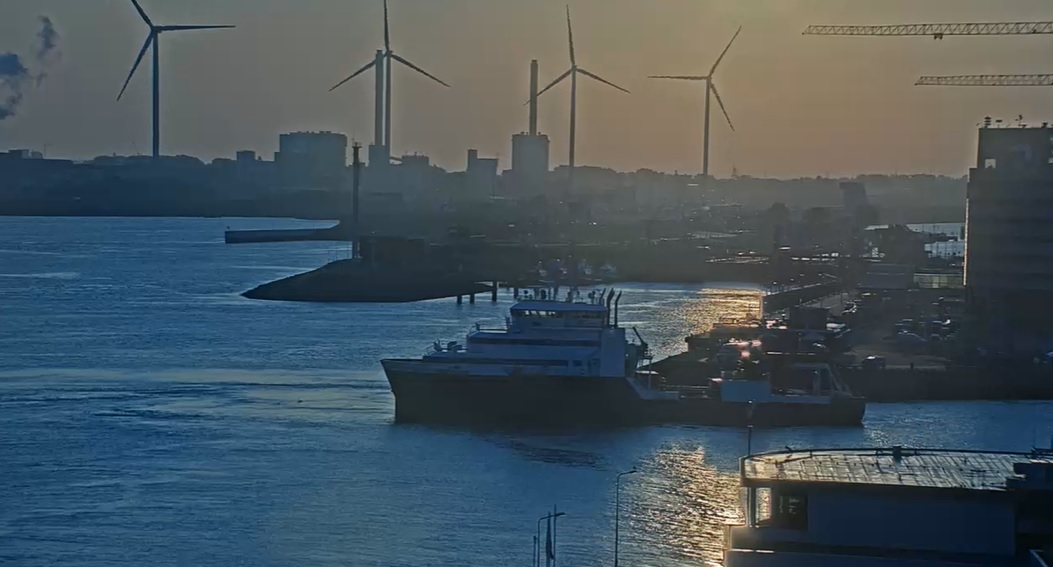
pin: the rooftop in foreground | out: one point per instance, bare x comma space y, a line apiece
928, 468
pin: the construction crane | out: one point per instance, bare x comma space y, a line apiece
1044, 80
937, 31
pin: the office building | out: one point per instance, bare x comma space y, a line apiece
853, 196
480, 176
530, 160
1009, 240
312, 160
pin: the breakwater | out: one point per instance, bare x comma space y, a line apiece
349, 281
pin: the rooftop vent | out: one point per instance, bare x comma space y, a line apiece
1034, 475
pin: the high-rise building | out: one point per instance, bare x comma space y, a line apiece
853, 196
530, 159
314, 160
480, 175
1009, 239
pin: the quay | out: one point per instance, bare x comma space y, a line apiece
870, 353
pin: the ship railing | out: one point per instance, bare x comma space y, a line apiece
438, 347
478, 327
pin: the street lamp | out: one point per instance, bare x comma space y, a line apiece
618, 508
537, 537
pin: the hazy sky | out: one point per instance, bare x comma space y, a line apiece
802, 105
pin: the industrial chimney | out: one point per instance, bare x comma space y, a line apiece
533, 97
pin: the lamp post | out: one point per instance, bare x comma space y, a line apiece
618, 508
537, 537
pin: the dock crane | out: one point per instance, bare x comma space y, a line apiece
1038, 80
938, 31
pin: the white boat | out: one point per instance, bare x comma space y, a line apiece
571, 362
895, 506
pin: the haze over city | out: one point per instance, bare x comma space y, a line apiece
802, 105
466, 282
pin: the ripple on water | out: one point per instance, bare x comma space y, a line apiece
186, 422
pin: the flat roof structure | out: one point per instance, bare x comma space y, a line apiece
896, 466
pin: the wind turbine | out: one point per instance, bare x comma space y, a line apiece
381, 64
154, 39
710, 88
573, 74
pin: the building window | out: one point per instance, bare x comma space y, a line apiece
762, 506
990, 163
789, 510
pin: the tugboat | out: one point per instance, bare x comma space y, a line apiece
570, 362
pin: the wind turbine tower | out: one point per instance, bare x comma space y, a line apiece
380, 152
153, 39
573, 74
711, 88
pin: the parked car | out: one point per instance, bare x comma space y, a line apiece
910, 340
873, 363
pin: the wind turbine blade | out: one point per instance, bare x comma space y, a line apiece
187, 28
601, 79
418, 69
720, 103
139, 9
553, 83
367, 67
679, 77
142, 52
570, 36
387, 32
723, 53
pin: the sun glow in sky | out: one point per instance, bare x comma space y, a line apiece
801, 105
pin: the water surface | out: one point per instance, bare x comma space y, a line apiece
150, 415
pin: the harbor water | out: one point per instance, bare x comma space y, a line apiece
149, 415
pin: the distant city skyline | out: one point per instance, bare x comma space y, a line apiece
802, 105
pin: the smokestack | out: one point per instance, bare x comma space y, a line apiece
533, 97
378, 100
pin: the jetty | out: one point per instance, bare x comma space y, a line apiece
352, 281
340, 232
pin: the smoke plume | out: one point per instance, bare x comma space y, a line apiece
15, 75
48, 38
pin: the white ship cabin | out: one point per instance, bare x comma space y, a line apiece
894, 507
561, 337
786, 378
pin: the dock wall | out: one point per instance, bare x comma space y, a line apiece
790, 298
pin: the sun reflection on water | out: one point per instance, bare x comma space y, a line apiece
720, 306
683, 505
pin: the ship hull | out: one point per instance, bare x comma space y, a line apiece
428, 395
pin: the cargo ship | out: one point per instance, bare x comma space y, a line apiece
569, 362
